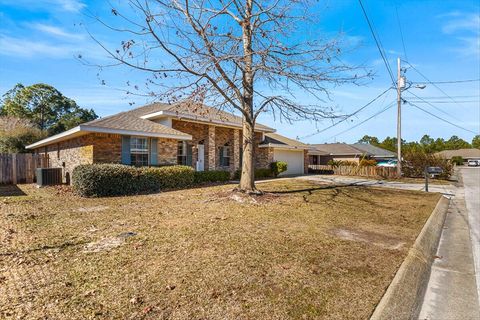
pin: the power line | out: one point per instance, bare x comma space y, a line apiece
345, 119
378, 44
444, 120
435, 107
461, 101
401, 32
389, 106
430, 82
453, 81
443, 97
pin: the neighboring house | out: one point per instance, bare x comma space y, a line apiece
293, 152
466, 154
323, 153
162, 134
374, 152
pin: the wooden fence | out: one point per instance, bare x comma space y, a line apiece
362, 171
20, 167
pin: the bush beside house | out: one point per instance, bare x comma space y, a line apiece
457, 160
211, 176
278, 167
100, 180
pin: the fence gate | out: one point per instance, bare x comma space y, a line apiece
20, 167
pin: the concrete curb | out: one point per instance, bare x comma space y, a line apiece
403, 298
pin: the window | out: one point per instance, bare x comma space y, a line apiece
225, 156
184, 153
139, 151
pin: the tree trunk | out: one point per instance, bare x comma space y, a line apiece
247, 180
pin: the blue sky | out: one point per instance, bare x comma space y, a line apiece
39, 42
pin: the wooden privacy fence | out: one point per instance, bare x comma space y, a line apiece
20, 167
363, 171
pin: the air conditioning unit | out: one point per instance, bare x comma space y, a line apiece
49, 176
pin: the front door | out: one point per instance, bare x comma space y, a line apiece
201, 157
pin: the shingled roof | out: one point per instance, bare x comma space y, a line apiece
464, 153
138, 122
278, 141
374, 151
129, 122
338, 149
193, 111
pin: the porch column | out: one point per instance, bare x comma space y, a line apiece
236, 149
212, 158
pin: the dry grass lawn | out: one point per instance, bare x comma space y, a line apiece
302, 251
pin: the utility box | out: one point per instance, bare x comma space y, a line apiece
48, 176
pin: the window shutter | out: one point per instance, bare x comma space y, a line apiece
153, 151
126, 150
189, 154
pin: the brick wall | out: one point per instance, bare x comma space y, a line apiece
167, 151
213, 137
69, 154
99, 148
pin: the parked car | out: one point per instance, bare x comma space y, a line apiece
473, 163
388, 163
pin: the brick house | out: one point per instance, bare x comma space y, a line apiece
164, 134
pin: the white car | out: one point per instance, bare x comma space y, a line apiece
473, 163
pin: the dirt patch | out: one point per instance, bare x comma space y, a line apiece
93, 209
374, 238
105, 244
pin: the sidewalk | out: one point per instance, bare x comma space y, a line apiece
452, 291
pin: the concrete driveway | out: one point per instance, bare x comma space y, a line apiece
448, 189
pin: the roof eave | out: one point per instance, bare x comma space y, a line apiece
185, 116
281, 146
92, 129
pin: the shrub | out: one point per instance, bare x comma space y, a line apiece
260, 173
170, 177
367, 163
348, 163
211, 176
415, 161
458, 160
334, 163
97, 180
278, 167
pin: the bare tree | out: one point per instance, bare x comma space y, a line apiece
244, 55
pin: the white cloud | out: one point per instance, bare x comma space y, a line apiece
48, 5
466, 28
30, 48
71, 5
470, 22
470, 47
56, 31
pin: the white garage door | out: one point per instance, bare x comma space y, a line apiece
293, 158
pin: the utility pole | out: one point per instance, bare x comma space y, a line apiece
399, 118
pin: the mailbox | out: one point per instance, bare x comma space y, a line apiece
434, 170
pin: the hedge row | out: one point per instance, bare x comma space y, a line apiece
211, 176
99, 180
